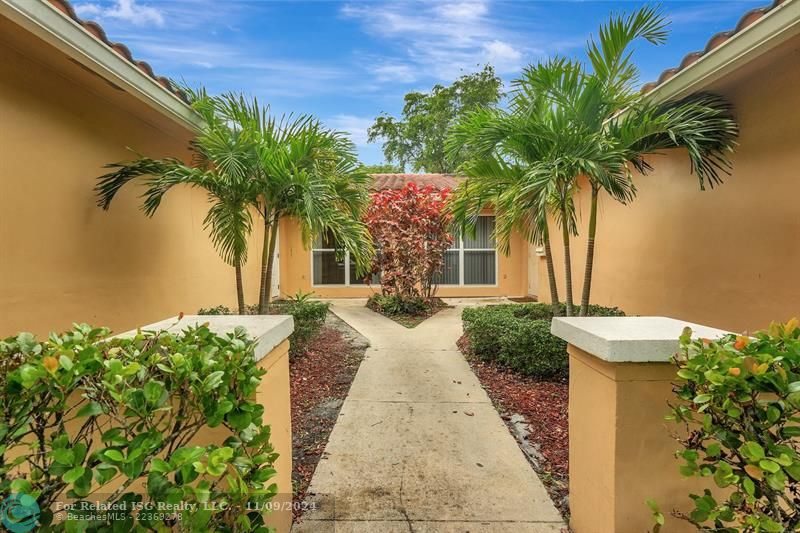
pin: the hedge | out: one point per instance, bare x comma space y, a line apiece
518, 336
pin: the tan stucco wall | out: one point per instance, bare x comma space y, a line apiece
295, 261
726, 257
273, 394
63, 259
621, 452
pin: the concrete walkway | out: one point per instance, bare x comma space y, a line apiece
419, 446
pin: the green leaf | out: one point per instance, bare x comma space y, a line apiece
114, 455
794, 386
160, 466
713, 450
65, 362
702, 398
748, 486
752, 451
64, 456
90, 409
71, 475
769, 466
213, 380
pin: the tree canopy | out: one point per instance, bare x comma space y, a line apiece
417, 139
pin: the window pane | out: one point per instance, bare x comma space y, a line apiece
324, 241
479, 268
374, 279
327, 270
483, 234
449, 275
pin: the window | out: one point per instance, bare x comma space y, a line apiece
472, 260
328, 269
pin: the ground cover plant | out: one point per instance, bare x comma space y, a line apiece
309, 317
518, 336
738, 402
410, 230
408, 312
85, 417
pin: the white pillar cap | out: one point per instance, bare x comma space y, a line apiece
636, 339
268, 330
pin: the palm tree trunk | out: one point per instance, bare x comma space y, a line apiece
266, 282
262, 289
551, 272
587, 274
567, 260
239, 288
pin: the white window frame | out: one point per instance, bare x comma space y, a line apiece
461, 269
346, 269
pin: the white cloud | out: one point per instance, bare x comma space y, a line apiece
441, 41
503, 56
124, 10
354, 125
394, 72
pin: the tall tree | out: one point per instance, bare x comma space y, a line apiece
416, 139
593, 98
224, 161
595, 124
306, 172
385, 168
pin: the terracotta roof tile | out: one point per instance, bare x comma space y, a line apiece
98, 33
713, 43
382, 182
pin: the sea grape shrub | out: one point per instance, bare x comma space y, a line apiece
739, 404
409, 227
85, 417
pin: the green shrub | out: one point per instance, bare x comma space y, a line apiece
309, 317
528, 347
740, 402
484, 326
394, 304
80, 412
518, 336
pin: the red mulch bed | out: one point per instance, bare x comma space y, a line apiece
318, 378
543, 404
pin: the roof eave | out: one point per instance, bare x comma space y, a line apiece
47, 23
774, 28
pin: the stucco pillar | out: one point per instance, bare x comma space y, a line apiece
621, 452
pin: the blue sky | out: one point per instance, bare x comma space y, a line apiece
347, 62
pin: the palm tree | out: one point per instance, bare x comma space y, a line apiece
504, 151
223, 164
568, 122
305, 172
603, 108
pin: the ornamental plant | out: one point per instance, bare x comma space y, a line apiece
110, 423
409, 227
740, 409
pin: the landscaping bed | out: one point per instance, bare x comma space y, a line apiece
524, 370
320, 379
406, 312
542, 406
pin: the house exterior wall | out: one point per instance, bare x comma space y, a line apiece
726, 257
63, 259
295, 265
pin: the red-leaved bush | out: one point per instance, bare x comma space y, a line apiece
409, 227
